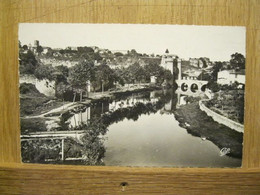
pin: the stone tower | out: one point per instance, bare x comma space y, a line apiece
168, 61
36, 43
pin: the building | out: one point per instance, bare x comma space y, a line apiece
95, 48
167, 62
226, 65
153, 79
227, 77
191, 75
72, 48
202, 62
45, 50
194, 62
119, 51
36, 45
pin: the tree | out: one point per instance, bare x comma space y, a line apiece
39, 49
80, 74
62, 51
85, 50
213, 86
118, 54
45, 72
237, 61
167, 75
153, 69
133, 52
27, 62
103, 74
136, 72
62, 72
49, 52
25, 47
239, 102
120, 74
204, 62
216, 68
204, 76
97, 56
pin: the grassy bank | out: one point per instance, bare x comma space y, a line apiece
199, 124
32, 125
32, 102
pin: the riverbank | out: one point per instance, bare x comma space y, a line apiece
199, 124
48, 116
220, 118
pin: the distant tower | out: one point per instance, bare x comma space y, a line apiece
30, 46
167, 61
36, 43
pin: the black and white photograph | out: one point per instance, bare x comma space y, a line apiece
138, 95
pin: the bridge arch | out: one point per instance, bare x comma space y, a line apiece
184, 87
203, 88
192, 85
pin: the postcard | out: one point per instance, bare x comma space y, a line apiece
134, 95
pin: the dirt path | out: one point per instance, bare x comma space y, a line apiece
54, 111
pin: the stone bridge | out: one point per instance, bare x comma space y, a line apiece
192, 85
186, 84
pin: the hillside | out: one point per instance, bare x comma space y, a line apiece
98, 56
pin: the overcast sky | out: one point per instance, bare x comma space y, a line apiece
215, 42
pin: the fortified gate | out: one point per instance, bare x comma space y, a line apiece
186, 84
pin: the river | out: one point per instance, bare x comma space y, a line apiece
141, 130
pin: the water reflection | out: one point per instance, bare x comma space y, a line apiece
96, 118
79, 118
124, 107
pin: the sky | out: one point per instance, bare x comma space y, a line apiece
214, 42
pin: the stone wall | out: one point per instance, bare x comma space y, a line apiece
221, 119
